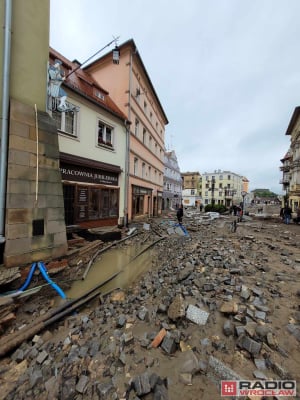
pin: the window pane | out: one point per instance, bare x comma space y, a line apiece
100, 133
104, 202
69, 122
108, 135
113, 210
94, 203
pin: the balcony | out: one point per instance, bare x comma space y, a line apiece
285, 168
296, 163
285, 181
295, 189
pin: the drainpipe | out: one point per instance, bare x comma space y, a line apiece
128, 123
126, 186
5, 114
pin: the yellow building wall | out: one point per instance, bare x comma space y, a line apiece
1, 52
30, 37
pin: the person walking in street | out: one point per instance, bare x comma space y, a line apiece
180, 214
287, 212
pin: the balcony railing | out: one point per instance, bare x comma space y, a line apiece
284, 181
285, 168
296, 163
295, 188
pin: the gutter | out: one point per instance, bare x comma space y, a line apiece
5, 114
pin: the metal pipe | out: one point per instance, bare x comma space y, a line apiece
5, 114
127, 157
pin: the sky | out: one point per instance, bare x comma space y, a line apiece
227, 73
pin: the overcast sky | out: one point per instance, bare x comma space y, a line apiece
227, 72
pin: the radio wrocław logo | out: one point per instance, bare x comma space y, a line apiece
258, 388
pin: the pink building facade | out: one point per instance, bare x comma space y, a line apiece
132, 90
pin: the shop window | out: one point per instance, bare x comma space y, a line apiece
94, 203
105, 135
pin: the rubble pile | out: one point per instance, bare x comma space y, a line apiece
215, 306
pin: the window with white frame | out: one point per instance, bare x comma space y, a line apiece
135, 166
136, 127
105, 134
66, 122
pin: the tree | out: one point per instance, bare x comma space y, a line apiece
263, 193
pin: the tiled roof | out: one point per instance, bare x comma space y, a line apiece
82, 83
287, 156
293, 121
131, 44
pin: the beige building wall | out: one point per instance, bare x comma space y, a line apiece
131, 88
30, 51
86, 144
227, 188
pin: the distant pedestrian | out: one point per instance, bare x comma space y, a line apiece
287, 212
239, 213
201, 207
180, 214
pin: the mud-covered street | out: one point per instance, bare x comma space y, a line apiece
214, 305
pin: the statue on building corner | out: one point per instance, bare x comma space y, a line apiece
56, 78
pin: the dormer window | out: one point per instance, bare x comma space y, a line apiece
99, 95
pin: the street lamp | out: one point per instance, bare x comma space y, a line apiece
244, 194
115, 55
212, 189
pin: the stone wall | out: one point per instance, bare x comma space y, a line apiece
35, 228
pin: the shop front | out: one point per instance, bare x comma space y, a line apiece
141, 201
91, 192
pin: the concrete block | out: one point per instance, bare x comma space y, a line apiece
141, 384
17, 231
82, 383
168, 344
218, 371
249, 344
196, 315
